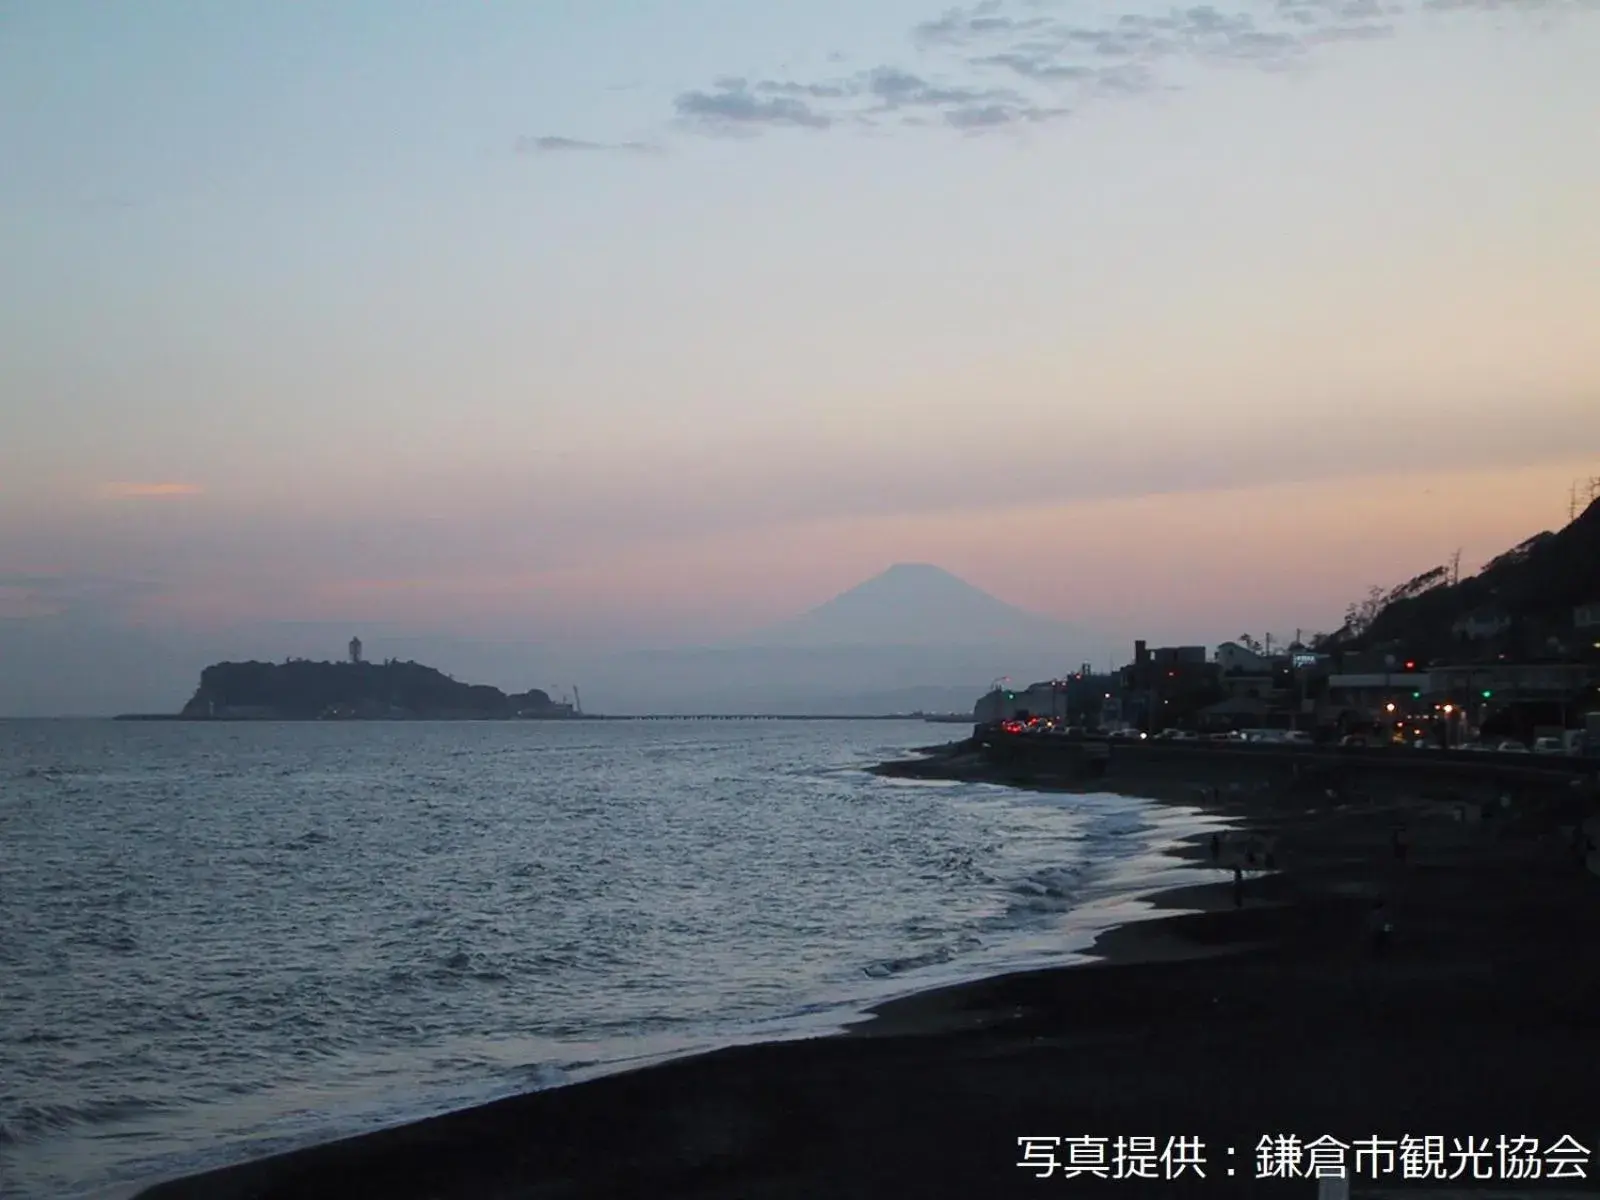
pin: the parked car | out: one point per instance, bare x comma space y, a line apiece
1549, 745
1510, 747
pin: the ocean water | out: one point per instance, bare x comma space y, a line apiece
219, 941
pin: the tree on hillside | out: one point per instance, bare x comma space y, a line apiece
1358, 618
1360, 615
1426, 582
1517, 555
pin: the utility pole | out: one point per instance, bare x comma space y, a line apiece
1455, 567
1581, 495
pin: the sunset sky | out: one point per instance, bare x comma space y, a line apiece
643, 322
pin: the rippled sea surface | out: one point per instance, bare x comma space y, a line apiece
218, 941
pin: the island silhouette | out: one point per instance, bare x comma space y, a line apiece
300, 689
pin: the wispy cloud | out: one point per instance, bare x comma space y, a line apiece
994, 65
984, 20
884, 93
549, 144
1134, 51
999, 64
812, 91
975, 118
145, 491
1548, 7
896, 89
734, 107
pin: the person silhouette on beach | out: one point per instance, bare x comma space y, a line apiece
1216, 846
1238, 887
1381, 928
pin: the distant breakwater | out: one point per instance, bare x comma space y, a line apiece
213, 718
537, 716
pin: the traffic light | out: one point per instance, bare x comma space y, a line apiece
1416, 695
1487, 693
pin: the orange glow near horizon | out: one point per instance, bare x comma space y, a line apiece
1174, 565
1222, 557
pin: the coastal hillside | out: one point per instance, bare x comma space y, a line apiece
303, 690
1521, 602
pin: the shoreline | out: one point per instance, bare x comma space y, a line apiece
862, 1016
1279, 1005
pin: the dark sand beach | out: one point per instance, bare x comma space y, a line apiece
1224, 1024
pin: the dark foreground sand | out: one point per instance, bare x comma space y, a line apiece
1279, 1018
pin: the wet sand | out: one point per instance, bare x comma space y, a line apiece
1217, 1022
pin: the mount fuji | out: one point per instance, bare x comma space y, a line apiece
912, 637
918, 604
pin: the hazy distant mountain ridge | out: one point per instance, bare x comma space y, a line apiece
913, 636
917, 604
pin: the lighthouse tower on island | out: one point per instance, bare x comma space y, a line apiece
355, 650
